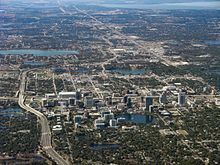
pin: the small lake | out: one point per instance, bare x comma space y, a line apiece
104, 146
129, 71
80, 70
34, 63
9, 112
3, 127
137, 118
173, 42
212, 42
37, 52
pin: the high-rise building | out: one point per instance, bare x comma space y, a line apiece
99, 123
163, 98
149, 101
50, 103
121, 120
78, 95
129, 103
151, 108
142, 99
113, 123
50, 95
88, 102
105, 112
77, 119
44, 102
181, 98
72, 101
108, 117
109, 100
68, 117
125, 99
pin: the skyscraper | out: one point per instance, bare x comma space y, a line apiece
181, 98
88, 101
125, 99
149, 101
163, 98
129, 103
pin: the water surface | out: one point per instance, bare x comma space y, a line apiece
37, 52
9, 112
137, 118
34, 63
212, 42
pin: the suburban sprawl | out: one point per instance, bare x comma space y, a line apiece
85, 84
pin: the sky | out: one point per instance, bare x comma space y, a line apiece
142, 4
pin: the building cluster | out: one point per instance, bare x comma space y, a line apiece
65, 99
104, 111
106, 119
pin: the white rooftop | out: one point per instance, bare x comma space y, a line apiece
67, 93
50, 94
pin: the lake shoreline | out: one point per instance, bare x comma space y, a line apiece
38, 52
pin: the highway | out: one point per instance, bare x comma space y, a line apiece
155, 54
45, 129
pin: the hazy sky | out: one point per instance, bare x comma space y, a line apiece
156, 4
117, 1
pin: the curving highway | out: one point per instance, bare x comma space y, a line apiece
45, 129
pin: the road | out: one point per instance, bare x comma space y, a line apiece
45, 129
155, 54
107, 40
54, 85
95, 89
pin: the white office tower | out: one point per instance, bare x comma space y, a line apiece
68, 117
163, 98
50, 96
113, 123
99, 123
181, 98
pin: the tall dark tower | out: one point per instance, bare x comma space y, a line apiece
149, 101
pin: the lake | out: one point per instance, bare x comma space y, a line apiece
37, 52
212, 42
9, 112
171, 6
137, 118
80, 70
34, 63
